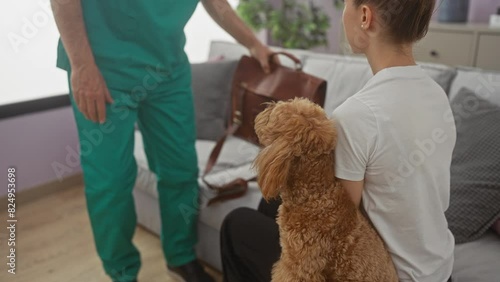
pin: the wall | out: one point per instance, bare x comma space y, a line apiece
28, 52
479, 12
200, 31
335, 25
34, 143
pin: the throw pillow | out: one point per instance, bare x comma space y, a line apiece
211, 84
441, 74
475, 168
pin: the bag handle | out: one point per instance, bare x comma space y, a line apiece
234, 189
231, 190
232, 127
238, 186
298, 63
214, 155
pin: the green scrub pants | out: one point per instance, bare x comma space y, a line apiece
163, 108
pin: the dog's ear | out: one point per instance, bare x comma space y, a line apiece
273, 166
289, 130
262, 124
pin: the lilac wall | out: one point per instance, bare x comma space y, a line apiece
34, 143
335, 25
479, 10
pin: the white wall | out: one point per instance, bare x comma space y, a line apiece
28, 52
27, 71
28, 48
200, 30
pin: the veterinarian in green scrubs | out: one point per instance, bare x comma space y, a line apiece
126, 64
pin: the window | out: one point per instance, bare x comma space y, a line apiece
28, 49
200, 31
28, 56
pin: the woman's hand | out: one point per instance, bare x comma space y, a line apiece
90, 92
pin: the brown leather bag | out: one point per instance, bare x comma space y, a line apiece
251, 90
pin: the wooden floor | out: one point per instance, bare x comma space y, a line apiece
54, 243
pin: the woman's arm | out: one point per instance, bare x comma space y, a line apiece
224, 15
357, 133
354, 189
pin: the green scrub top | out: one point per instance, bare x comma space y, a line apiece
130, 39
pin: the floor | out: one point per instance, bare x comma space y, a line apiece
54, 243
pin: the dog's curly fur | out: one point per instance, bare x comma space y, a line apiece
323, 236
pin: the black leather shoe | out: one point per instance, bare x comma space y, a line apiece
190, 272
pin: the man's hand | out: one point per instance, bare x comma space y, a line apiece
262, 53
226, 17
90, 92
89, 89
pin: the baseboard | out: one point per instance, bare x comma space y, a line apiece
45, 189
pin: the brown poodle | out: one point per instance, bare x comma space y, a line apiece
322, 234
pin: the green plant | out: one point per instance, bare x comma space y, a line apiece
295, 25
255, 13
338, 4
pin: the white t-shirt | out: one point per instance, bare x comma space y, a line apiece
398, 134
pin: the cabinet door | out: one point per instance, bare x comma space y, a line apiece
488, 53
449, 48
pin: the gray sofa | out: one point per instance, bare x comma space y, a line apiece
477, 261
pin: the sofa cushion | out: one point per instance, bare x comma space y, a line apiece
146, 179
234, 161
226, 49
235, 155
234, 51
486, 84
442, 74
478, 261
475, 178
344, 75
211, 89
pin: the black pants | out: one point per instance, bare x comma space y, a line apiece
250, 243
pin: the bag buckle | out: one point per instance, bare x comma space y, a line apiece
237, 118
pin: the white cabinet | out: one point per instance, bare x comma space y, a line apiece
488, 52
470, 45
461, 45
449, 48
